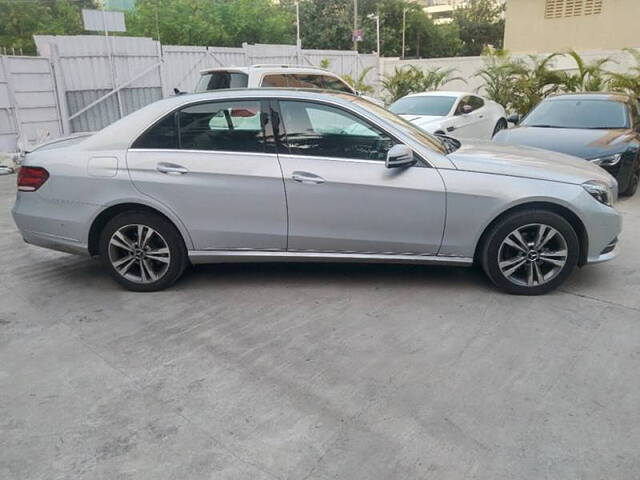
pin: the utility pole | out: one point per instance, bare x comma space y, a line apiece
355, 24
404, 22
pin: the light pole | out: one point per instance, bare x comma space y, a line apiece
298, 41
404, 22
377, 19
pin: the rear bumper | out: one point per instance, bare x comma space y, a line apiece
50, 224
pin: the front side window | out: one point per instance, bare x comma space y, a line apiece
234, 126
476, 102
579, 113
320, 130
221, 80
464, 101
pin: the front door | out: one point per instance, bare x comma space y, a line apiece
341, 198
214, 164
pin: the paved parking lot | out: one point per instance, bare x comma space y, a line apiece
316, 372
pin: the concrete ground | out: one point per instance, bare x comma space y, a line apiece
316, 372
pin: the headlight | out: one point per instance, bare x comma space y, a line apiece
600, 191
608, 161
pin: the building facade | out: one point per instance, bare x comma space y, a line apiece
540, 26
441, 11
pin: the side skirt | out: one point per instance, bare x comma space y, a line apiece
236, 256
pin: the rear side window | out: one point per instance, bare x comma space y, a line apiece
277, 81
333, 83
305, 80
221, 80
163, 134
234, 126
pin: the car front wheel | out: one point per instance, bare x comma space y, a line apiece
530, 252
143, 251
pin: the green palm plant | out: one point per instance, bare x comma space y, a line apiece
590, 77
629, 81
359, 82
436, 77
498, 76
533, 80
411, 79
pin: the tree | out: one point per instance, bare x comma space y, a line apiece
19, 21
480, 24
213, 22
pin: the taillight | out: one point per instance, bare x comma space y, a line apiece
31, 179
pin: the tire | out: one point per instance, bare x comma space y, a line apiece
632, 188
540, 270
501, 125
143, 251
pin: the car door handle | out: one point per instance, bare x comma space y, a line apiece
306, 177
171, 169
451, 129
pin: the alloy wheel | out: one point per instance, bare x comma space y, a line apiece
139, 253
532, 255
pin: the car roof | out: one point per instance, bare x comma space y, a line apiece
277, 68
610, 96
119, 134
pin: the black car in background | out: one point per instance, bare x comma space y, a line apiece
603, 128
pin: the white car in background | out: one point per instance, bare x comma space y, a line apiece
275, 76
455, 114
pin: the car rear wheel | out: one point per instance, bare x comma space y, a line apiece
143, 251
530, 252
501, 125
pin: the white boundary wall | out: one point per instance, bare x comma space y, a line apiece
467, 67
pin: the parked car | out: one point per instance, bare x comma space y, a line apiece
603, 128
294, 175
274, 76
456, 114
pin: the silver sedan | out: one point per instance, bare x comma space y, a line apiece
276, 175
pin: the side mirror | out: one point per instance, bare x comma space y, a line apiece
515, 119
467, 109
400, 156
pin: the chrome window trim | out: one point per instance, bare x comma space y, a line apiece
224, 152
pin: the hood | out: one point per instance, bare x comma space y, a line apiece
516, 160
423, 120
583, 143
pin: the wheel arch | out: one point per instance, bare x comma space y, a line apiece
566, 213
111, 211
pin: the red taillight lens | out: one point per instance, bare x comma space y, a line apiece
31, 179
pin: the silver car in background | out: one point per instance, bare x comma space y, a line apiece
283, 175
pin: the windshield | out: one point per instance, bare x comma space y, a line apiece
220, 80
400, 123
568, 113
423, 105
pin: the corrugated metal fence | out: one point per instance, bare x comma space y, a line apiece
28, 103
85, 82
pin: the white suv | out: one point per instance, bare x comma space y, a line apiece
274, 76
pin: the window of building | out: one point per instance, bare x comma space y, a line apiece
571, 8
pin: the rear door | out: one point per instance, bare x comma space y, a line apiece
214, 164
341, 197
